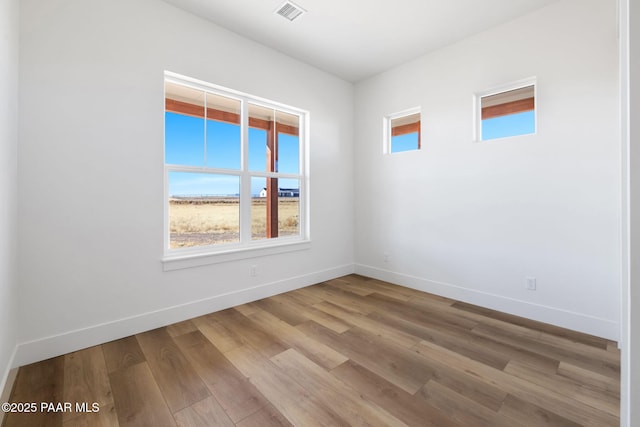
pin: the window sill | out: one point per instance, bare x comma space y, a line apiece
198, 259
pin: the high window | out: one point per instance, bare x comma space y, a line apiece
402, 131
509, 111
234, 170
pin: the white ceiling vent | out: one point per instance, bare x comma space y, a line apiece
290, 10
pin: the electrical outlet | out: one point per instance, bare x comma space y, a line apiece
531, 283
253, 271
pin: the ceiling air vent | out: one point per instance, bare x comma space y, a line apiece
290, 10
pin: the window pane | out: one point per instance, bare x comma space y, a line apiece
511, 125
406, 142
184, 140
262, 154
184, 125
258, 208
288, 142
204, 209
288, 153
257, 150
274, 213
289, 207
274, 140
405, 133
508, 113
223, 132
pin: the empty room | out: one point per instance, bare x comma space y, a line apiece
264, 212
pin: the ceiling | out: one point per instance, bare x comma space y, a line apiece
355, 39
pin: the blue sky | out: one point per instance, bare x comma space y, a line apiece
406, 142
498, 127
185, 145
511, 125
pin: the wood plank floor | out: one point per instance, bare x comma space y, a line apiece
350, 351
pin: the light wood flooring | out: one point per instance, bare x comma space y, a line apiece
350, 351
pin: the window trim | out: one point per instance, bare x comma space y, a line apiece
246, 247
495, 90
387, 129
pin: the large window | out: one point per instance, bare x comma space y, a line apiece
234, 170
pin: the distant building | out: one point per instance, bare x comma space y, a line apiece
283, 192
289, 192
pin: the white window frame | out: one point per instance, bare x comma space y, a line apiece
386, 128
246, 247
477, 107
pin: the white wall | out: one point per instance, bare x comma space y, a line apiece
91, 170
630, 408
8, 183
634, 296
472, 220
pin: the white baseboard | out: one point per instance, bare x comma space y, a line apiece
56, 345
567, 319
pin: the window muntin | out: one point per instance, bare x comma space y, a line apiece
403, 131
510, 111
217, 165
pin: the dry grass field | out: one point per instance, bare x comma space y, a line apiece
207, 221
